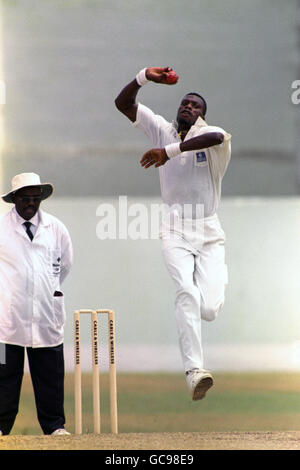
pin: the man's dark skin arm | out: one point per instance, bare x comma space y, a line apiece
158, 157
126, 104
126, 100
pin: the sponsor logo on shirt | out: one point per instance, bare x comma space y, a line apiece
201, 157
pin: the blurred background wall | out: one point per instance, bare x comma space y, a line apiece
64, 62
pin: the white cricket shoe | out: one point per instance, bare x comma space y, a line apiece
199, 381
60, 432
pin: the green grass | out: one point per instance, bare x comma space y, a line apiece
160, 403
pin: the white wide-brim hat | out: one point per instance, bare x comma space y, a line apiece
24, 180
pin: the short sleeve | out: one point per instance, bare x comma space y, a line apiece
150, 123
209, 129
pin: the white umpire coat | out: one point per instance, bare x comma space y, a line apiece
30, 273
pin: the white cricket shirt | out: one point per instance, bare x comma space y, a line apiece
192, 178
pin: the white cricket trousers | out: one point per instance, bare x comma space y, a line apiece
196, 263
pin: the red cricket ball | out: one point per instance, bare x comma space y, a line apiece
172, 77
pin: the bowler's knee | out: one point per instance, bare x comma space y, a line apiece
210, 311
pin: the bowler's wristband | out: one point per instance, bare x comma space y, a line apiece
141, 77
172, 150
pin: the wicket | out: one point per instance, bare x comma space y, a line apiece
95, 370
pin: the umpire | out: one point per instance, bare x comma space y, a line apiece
35, 257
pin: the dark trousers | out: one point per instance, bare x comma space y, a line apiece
46, 367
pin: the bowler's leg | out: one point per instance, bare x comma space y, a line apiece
180, 262
47, 374
11, 375
211, 278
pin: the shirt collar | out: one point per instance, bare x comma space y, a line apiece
34, 220
199, 123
